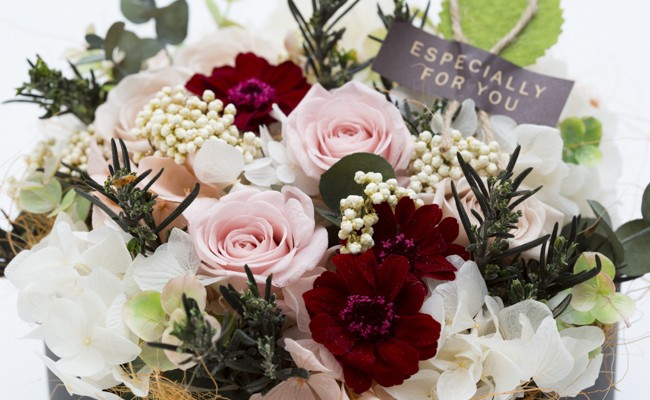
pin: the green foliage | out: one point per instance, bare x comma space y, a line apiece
220, 17
338, 182
58, 95
484, 23
581, 137
144, 315
246, 358
136, 204
331, 65
126, 50
506, 274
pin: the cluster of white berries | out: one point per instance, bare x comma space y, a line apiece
41, 153
75, 153
358, 215
435, 160
177, 123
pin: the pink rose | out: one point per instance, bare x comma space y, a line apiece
354, 118
271, 232
116, 117
536, 221
222, 47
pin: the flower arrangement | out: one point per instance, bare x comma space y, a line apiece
235, 220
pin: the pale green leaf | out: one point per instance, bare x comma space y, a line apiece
144, 315
613, 309
155, 358
42, 199
584, 296
587, 261
593, 130
486, 22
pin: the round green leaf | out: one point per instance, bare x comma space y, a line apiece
485, 22
635, 238
588, 155
338, 182
613, 309
112, 39
593, 130
573, 131
138, 11
42, 198
172, 21
144, 315
645, 204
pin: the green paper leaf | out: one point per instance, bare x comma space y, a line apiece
588, 155
573, 131
144, 315
138, 11
172, 21
338, 182
635, 238
645, 204
485, 22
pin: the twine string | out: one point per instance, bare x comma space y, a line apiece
452, 107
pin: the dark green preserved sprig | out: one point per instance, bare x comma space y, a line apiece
331, 65
246, 358
506, 273
122, 188
497, 198
59, 95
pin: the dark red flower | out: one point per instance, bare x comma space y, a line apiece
367, 315
421, 235
253, 86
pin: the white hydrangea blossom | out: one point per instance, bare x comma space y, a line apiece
71, 285
491, 351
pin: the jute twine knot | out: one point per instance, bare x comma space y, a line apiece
459, 36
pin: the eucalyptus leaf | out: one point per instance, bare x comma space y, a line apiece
645, 204
94, 41
144, 315
112, 39
635, 238
600, 212
338, 182
138, 11
486, 22
172, 22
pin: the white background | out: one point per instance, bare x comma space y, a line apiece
604, 44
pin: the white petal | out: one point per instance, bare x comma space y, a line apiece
503, 130
456, 384
286, 173
466, 121
86, 363
264, 177
420, 386
65, 328
138, 382
104, 284
77, 386
181, 246
217, 162
111, 253
278, 152
113, 348
153, 272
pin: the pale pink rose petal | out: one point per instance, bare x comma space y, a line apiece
271, 232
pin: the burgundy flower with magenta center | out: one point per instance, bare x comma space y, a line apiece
253, 86
421, 235
367, 315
